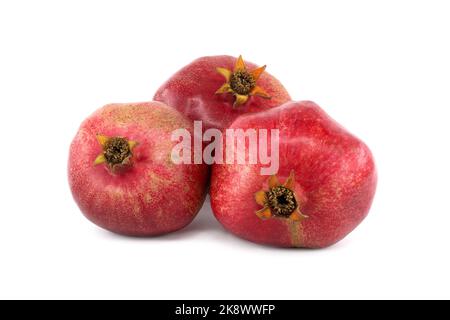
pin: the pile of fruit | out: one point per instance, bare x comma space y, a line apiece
123, 176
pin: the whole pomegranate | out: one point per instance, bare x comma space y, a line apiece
324, 187
122, 176
218, 89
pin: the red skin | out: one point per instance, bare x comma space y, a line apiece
152, 197
334, 172
192, 89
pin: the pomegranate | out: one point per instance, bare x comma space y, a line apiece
121, 174
218, 89
323, 189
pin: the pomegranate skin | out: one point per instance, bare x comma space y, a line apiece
192, 89
335, 180
152, 196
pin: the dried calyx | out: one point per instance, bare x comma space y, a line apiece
242, 83
117, 151
279, 201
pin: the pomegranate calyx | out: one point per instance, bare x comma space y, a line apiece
280, 200
116, 153
242, 83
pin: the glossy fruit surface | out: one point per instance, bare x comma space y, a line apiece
121, 174
324, 187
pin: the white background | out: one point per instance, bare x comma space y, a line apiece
381, 68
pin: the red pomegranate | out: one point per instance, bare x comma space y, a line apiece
324, 187
218, 89
122, 176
